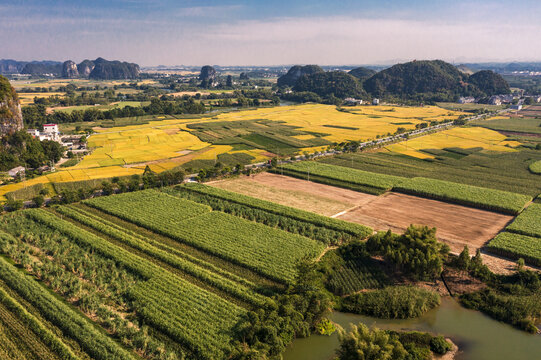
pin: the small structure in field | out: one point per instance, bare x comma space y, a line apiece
352, 101
375, 101
16, 171
466, 100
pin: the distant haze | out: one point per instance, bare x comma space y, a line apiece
230, 32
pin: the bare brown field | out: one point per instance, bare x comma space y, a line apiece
456, 225
319, 198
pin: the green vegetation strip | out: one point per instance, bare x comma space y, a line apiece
347, 175
72, 323
31, 322
196, 318
528, 222
395, 302
169, 255
489, 199
270, 252
517, 246
535, 167
286, 211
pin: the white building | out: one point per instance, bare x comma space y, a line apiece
466, 100
353, 101
375, 102
50, 132
15, 171
515, 107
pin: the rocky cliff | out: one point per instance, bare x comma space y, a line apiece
69, 70
208, 73
85, 68
112, 70
11, 118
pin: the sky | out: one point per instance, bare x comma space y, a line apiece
271, 32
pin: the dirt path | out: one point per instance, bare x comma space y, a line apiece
327, 249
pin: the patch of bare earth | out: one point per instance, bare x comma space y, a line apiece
456, 225
319, 198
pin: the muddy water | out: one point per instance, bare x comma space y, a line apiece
477, 336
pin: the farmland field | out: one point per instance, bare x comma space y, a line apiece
426, 147
240, 241
517, 246
375, 183
528, 222
397, 211
472, 168
319, 198
198, 141
156, 284
392, 211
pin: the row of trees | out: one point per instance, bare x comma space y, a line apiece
36, 116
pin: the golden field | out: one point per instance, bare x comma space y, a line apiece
460, 137
168, 143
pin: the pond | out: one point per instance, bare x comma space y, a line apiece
477, 336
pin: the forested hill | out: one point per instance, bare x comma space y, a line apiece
362, 73
433, 80
427, 80
110, 70
290, 79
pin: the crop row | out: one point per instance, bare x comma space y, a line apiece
31, 323
150, 204
348, 175
169, 256
356, 275
196, 318
267, 251
489, 199
356, 230
528, 222
96, 343
517, 246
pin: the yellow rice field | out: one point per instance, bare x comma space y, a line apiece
460, 137
165, 144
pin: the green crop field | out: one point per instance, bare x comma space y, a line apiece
484, 198
517, 246
535, 167
528, 222
243, 242
341, 228
522, 125
341, 176
356, 275
484, 169
113, 291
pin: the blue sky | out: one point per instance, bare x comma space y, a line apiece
272, 32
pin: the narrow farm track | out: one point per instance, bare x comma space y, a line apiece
192, 251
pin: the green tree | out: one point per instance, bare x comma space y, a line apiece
463, 261
38, 201
362, 343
